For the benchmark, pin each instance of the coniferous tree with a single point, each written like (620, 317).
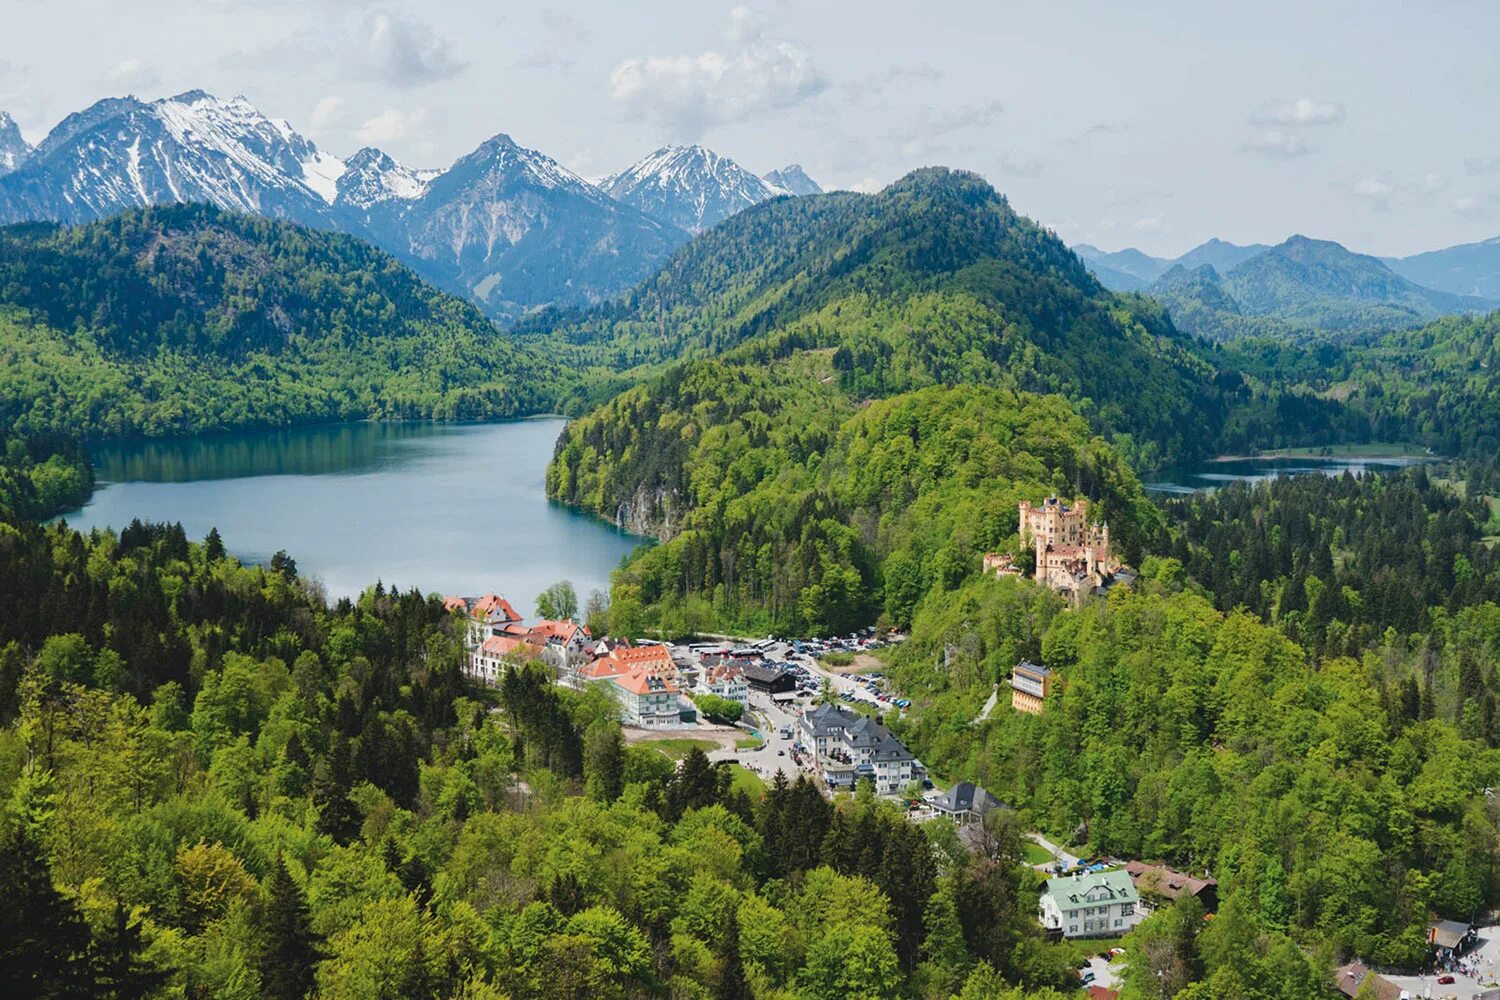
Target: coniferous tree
(732, 982)
(120, 972)
(44, 943)
(337, 815)
(289, 948)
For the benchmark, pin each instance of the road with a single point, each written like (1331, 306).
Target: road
(776, 755)
(1067, 859)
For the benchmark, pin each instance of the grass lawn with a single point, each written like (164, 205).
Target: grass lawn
(747, 781)
(748, 743)
(1035, 853)
(678, 748)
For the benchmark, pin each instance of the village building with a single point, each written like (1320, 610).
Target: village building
(488, 661)
(488, 615)
(849, 747)
(564, 643)
(1450, 938)
(1350, 980)
(1090, 904)
(770, 680)
(643, 680)
(1170, 885)
(724, 681)
(1029, 686)
(966, 803)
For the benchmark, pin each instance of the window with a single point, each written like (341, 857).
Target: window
(1127, 909)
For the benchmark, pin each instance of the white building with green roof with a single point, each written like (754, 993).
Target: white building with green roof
(1090, 904)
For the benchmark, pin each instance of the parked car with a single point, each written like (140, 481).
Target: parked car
(1445, 980)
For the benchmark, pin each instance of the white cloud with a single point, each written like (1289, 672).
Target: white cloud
(1301, 111)
(1154, 225)
(133, 74)
(690, 94)
(390, 125)
(1483, 164)
(1374, 190)
(867, 186)
(405, 52)
(1276, 144)
(918, 135)
(1470, 207)
(1020, 166)
(328, 111)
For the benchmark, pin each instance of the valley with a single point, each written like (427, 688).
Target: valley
(1122, 627)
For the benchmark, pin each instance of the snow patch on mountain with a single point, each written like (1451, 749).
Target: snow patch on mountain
(14, 148)
(688, 186)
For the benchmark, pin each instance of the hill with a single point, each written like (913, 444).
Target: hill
(1303, 286)
(919, 326)
(1466, 269)
(935, 280)
(183, 319)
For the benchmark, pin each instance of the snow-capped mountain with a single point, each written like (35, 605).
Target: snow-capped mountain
(505, 225)
(793, 180)
(688, 186)
(124, 153)
(514, 229)
(13, 147)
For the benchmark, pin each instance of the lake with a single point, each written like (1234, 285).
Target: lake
(454, 508)
(1212, 474)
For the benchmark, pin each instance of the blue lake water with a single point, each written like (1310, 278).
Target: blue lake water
(1221, 472)
(455, 508)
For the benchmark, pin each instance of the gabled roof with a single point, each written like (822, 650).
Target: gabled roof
(967, 797)
(645, 682)
(1073, 891)
(1349, 978)
(760, 673)
(1447, 933)
(489, 609)
(1169, 882)
(564, 631)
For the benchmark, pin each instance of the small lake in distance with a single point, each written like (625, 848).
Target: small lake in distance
(1215, 473)
(453, 508)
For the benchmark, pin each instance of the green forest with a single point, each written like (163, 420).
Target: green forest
(216, 785)
(186, 319)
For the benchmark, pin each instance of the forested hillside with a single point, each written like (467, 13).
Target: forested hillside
(215, 785)
(935, 280)
(785, 507)
(184, 319)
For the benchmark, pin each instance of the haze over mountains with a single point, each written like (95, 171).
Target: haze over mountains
(1223, 290)
(506, 226)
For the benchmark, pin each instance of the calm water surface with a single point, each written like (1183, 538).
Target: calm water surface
(440, 507)
(1213, 474)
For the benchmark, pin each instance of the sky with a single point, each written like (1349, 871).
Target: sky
(1147, 124)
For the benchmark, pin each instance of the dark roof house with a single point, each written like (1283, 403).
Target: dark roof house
(966, 802)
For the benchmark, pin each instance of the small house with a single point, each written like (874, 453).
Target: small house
(966, 803)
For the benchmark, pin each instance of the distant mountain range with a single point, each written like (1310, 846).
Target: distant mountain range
(506, 226)
(696, 189)
(1223, 290)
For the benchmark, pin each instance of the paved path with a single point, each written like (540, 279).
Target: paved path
(1067, 859)
(989, 706)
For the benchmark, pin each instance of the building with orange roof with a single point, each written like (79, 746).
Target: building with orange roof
(643, 680)
(565, 643)
(487, 616)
